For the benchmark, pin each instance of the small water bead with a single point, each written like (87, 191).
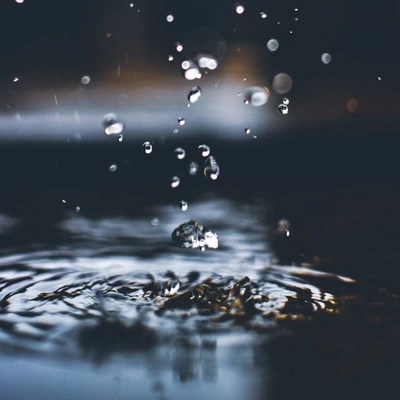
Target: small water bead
(282, 83)
(207, 61)
(108, 35)
(180, 153)
(178, 47)
(175, 130)
(204, 150)
(170, 58)
(77, 209)
(16, 79)
(190, 70)
(285, 101)
(211, 168)
(175, 181)
(85, 80)
(155, 221)
(170, 18)
(326, 58)
(112, 124)
(147, 147)
(263, 15)
(183, 205)
(194, 94)
(120, 138)
(193, 168)
(113, 167)
(239, 9)
(272, 45)
(283, 108)
(247, 131)
(181, 121)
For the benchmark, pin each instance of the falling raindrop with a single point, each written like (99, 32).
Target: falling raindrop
(193, 168)
(239, 9)
(204, 150)
(108, 35)
(170, 18)
(85, 80)
(175, 130)
(211, 168)
(178, 47)
(183, 205)
(16, 79)
(256, 96)
(175, 181)
(272, 45)
(148, 147)
(170, 58)
(181, 121)
(77, 209)
(283, 227)
(112, 124)
(131, 5)
(282, 83)
(263, 15)
(194, 94)
(179, 153)
(285, 101)
(207, 61)
(283, 108)
(190, 70)
(326, 58)
(247, 130)
(120, 138)
(113, 167)
(19, 1)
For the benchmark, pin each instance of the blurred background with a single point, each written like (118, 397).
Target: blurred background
(109, 110)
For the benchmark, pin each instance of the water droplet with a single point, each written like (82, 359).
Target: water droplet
(247, 130)
(326, 58)
(296, 19)
(19, 1)
(178, 47)
(283, 227)
(155, 221)
(193, 168)
(211, 168)
(239, 9)
(170, 58)
(63, 201)
(16, 79)
(108, 35)
(85, 80)
(77, 209)
(190, 70)
(207, 61)
(283, 108)
(352, 105)
(263, 15)
(181, 121)
(285, 101)
(120, 138)
(379, 78)
(175, 181)
(148, 147)
(183, 205)
(204, 150)
(282, 83)
(179, 153)
(112, 124)
(170, 18)
(194, 94)
(272, 45)
(256, 96)
(113, 167)
(175, 130)
(131, 5)
(193, 235)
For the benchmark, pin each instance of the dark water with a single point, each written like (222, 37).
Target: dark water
(94, 311)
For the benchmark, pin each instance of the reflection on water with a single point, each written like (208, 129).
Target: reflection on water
(113, 298)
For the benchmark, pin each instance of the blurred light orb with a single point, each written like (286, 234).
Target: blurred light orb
(257, 96)
(85, 80)
(170, 58)
(326, 58)
(272, 45)
(207, 61)
(352, 105)
(178, 47)
(239, 9)
(19, 1)
(263, 15)
(170, 18)
(282, 83)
